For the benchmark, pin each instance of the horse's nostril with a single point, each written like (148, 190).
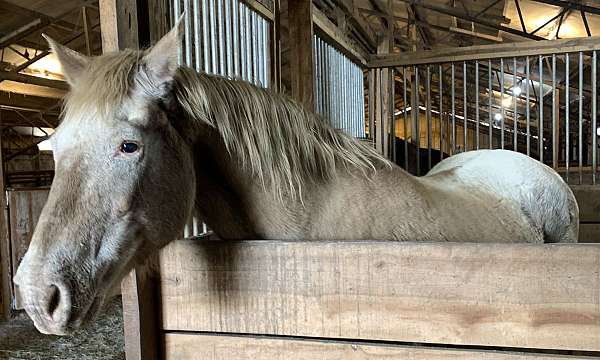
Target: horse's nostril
(54, 299)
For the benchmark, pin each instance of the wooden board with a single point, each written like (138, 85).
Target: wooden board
(528, 296)
(589, 233)
(588, 199)
(182, 346)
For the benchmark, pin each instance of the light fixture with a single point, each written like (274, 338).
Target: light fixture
(517, 90)
(497, 116)
(598, 131)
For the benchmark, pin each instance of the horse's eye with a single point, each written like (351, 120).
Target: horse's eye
(129, 147)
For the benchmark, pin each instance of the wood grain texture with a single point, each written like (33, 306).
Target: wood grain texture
(529, 296)
(589, 233)
(181, 346)
(301, 57)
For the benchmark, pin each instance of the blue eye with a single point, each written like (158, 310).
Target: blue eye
(129, 147)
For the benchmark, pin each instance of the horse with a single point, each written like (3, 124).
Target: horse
(421, 156)
(144, 141)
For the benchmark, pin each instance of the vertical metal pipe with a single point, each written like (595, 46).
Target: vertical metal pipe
(317, 80)
(222, 40)
(326, 88)
(393, 114)
(196, 13)
(255, 52)
(567, 133)
(527, 113)
(361, 103)
(580, 128)
(249, 55)
(594, 131)
(243, 41)
(465, 105)
(477, 104)
(259, 51)
(515, 110)
(405, 118)
(188, 32)
(228, 43)
(429, 127)
(266, 53)
(490, 99)
(441, 101)
(453, 97)
(415, 111)
(502, 114)
(541, 107)
(206, 36)
(177, 11)
(554, 143)
(235, 11)
(213, 37)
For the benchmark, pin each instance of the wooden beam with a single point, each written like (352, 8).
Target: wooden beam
(118, 25)
(11, 118)
(180, 346)
(27, 101)
(34, 80)
(504, 295)
(518, 49)
(337, 38)
(301, 57)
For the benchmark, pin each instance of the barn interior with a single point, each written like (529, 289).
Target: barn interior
(437, 56)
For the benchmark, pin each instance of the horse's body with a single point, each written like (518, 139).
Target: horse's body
(142, 139)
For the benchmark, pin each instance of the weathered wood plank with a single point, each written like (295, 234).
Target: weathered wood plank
(530, 296)
(183, 346)
(589, 233)
(25, 207)
(301, 57)
(524, 48)
(588, 199)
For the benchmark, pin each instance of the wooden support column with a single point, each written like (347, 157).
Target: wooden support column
(301, 51)
(385, 103)
(119, 24)
(5, 253)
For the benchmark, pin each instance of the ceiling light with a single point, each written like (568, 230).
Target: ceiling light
(517, 90)
(497, 116)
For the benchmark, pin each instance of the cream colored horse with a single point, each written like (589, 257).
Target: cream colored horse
(143, 142)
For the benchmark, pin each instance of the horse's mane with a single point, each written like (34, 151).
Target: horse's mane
(279, 141)
(273, 137)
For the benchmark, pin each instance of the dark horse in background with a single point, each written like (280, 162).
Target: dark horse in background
(420, 157)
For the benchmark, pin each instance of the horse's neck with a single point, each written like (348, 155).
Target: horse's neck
(232, 202)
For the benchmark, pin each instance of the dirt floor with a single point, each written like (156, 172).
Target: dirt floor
(102, 340)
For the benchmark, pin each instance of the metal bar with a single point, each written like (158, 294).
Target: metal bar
(404, 99)
(580, 128)
(452, 96)
(317, 80)
(554, 115)
(392, 112)
(249, 55)
(428, 114)
(267, 54)
(259, 55)
(236, 38)
(213, 38)
(594, 116)
(465, 103)
(177, 12)
(415, 111)
(490, 99)
(228, 38)
(527, 113)
(255, 48)
(541, 107)
(477, 105)
(197, 47)
(188, 32)
(206, 36)
(222, 40)
(585, 23)
(567, 135)
(502, 114)
(515, 113)
(441, 100)
(243, 43)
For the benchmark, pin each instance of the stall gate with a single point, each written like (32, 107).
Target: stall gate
(339, 89)
(538, 98)
(229, 38)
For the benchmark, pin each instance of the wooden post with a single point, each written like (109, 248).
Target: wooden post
(384, 93)
(5, 253)
(118, 21)
(301, 51)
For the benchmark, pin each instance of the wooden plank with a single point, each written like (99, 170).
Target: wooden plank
(529, 296)
(519, 49)
(588, 199)
(589, 233)
(25, 207)
(182, 346)
(260, 8)
(5, 269)
(33, 80)
(118, 24)
(301, 57)
(337, 38)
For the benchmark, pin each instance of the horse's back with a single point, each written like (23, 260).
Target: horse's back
(540, 192)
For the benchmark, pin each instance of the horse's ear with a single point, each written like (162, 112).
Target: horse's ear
(161, 59)
(72, 62)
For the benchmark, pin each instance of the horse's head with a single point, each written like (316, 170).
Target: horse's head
(124, 184)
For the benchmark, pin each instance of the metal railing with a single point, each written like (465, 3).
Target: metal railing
(339, 88)
(538, 98)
